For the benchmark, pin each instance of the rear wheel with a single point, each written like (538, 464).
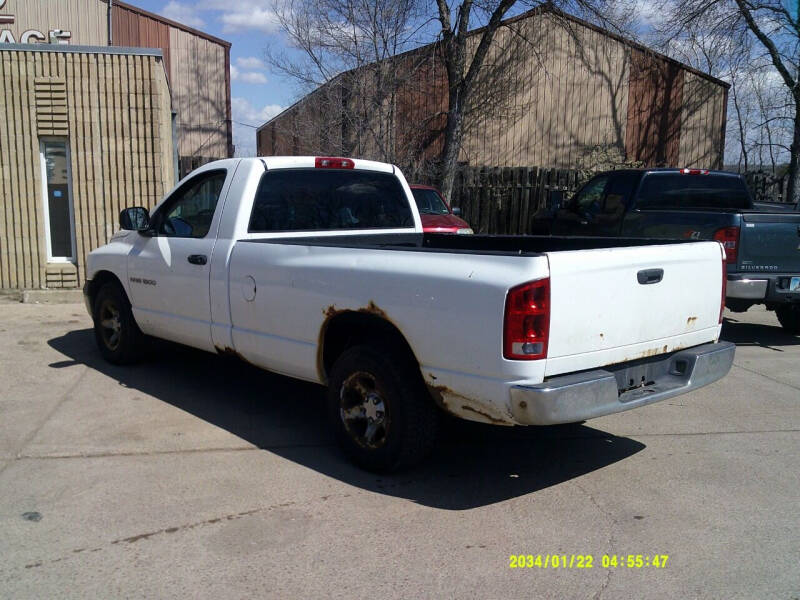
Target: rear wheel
(789, 318)
(115, 330)
(382, 414)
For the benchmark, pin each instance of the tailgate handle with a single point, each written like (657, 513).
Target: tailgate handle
(647, 276)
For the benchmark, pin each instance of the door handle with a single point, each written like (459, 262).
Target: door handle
(647, 276)
(197, 259)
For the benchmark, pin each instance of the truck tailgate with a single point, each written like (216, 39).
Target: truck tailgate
(769, 242)
(620, 304)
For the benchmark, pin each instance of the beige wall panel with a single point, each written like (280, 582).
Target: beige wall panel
(119, 135)
(701, 123)
(568, 96)
(84, 19)
(199, 94)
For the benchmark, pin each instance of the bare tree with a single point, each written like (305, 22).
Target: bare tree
(462, 72)
(770, 29)
(361, 57)
(350, 45)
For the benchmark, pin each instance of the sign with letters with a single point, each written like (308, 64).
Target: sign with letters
(30, 36)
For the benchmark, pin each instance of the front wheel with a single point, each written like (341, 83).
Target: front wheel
(115, 330)
(382, 414)
(789, 318)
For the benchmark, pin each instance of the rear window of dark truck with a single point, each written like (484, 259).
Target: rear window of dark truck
(677, 190)
(329, 199)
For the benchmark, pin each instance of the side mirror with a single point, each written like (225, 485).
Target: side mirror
(134, 219)
(456, 211)
(555, 200)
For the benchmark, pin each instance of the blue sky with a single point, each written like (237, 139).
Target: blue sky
(250, 26)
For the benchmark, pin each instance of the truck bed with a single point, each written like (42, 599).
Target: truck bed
(501, 245)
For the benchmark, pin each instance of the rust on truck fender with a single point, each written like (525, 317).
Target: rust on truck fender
(331, 311)
(463, 407)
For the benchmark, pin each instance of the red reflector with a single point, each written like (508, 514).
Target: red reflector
(729, 238)
(333, 162)
(526, 326)
(694, 171)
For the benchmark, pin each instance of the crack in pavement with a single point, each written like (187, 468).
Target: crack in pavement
(611, 538)
(789, 385)
(164, 452)
(691, 433)
(136, 453)
(185, 527)
(64, 397)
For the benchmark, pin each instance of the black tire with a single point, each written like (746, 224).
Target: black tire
(405, 421)
(115, 330)
(789, 317)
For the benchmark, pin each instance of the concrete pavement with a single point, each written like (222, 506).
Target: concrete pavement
(194, 475)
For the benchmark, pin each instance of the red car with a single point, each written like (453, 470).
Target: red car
(436, 215)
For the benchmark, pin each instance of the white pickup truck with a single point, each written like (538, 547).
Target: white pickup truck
(317, 268)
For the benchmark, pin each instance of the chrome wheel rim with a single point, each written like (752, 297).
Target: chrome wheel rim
(110, 325)
(362, 409)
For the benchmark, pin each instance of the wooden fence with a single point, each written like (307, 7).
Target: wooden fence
(503, 200)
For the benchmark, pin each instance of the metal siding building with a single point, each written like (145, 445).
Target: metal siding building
(84, 131)
(562, 89)
(197, 64)
(104, 116)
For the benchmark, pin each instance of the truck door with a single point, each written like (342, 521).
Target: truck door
(169, 269)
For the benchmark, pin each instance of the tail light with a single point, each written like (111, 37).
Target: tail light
(526, 325)
(694, 171)
(724, 286)
(729, 238)
(333, 162)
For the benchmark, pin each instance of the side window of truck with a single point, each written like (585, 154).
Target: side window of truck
(619, 192)
(190, 210)
(590, 198)
(329, 199)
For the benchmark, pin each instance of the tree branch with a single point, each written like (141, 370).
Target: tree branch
(768, 44)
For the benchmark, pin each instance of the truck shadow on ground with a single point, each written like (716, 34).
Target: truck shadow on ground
(474, 465)
(756, 334)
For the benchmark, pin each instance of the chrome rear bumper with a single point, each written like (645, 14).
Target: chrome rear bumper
(750, 289)
(590, 394)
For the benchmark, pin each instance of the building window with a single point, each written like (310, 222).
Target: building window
(59, 220)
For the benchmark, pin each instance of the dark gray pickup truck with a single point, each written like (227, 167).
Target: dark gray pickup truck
(763, 246)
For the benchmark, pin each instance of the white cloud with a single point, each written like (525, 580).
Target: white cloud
(642, 15)
(183, 13)
(250, 63)
(246, 76)
(246, 118)
(235, 15)
(240, 18)
(253, 77)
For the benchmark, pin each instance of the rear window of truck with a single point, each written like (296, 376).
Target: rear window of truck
(676, 190)
(329, 199)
